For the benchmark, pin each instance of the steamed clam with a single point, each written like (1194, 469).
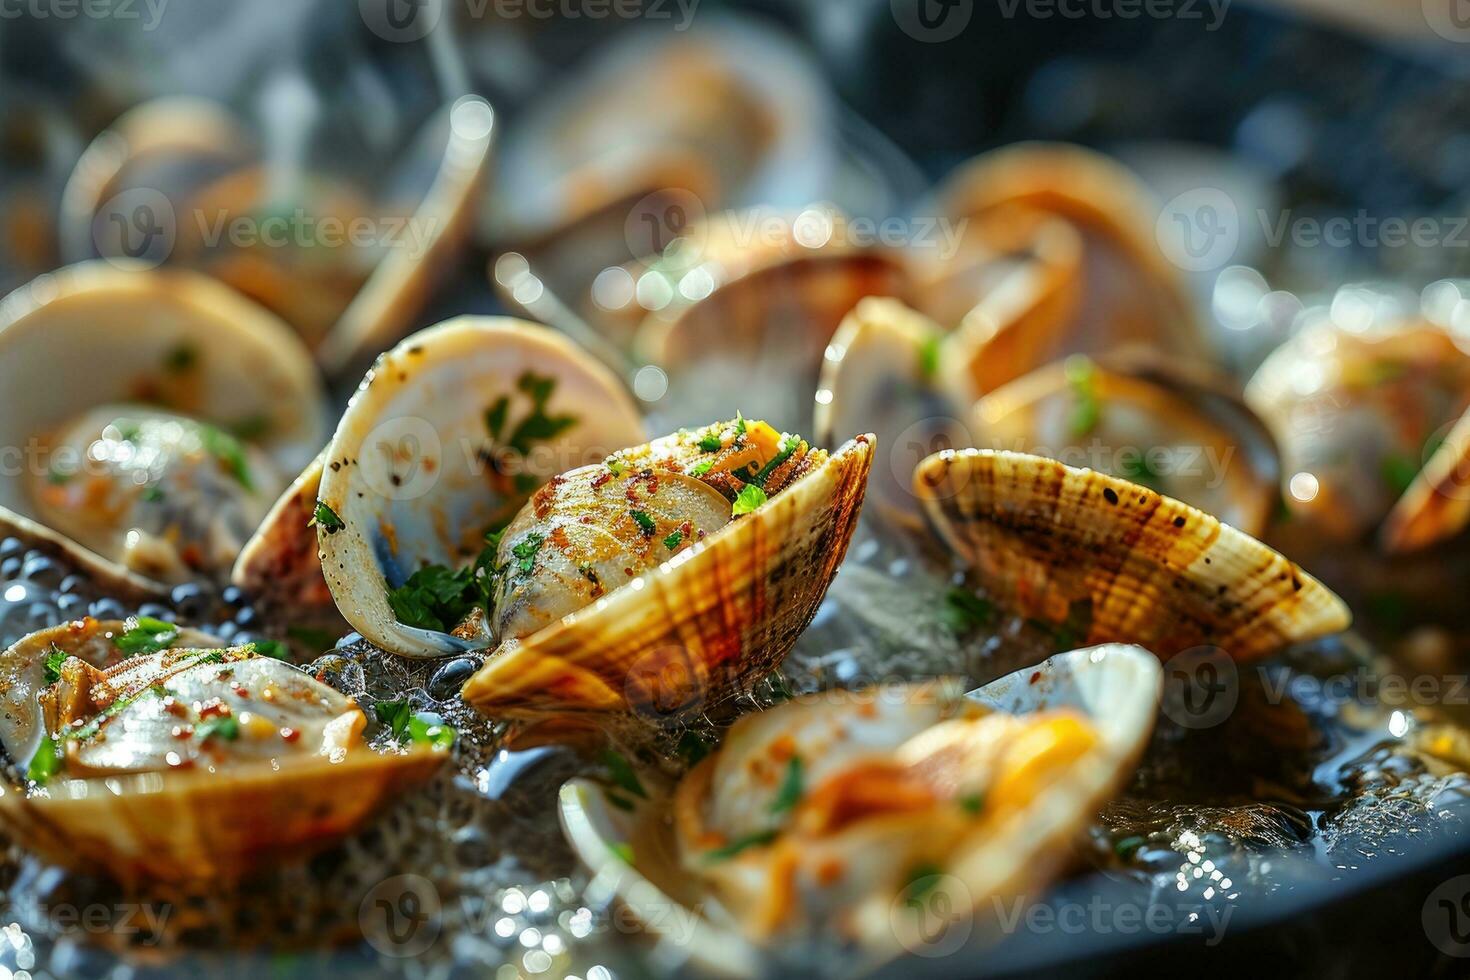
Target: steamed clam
(446, 438)
(1129, 291)
(816, 820)
(346, 262)
(1358, 416)
(1183, 433)
(1057, 544)
(155, 753)
(197, 405)
(662, 578)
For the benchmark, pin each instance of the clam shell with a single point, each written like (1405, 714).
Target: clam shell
(406, 473)
(116, 324)
(183, 826)
(688, 633)
(1131, 292)
(760, 337)
(279, 566)
(1042, 536)
(1216, 455)
(1116, 687)
(883, 371)
(1436, 506)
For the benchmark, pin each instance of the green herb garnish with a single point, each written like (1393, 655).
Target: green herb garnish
(645, 523)
(692, 748)
(963, 611)
(47, 762)
(710, 442)
(700, 469)
(226, 729)
(751, 497)
(434, 598)
(396, 715)
(623, 851)
(622, 774)
(1128, 846)
(228, 452)
(495, 416)
(1087, 411)
(923, 879)
(929, 356)
(325, 518)
(148, 636)
(55, 657)
(429, 728)
(740, 844)
(674, 539)
(972, 802)
(1398, 472)
(538, 426)
(153, 495)
(791, 787)
(525, 551)
(274, 649)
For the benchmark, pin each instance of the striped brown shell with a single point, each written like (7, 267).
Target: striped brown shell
(1042, 537)
(688, 633)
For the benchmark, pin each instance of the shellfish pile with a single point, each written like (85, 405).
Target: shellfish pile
(850, 628)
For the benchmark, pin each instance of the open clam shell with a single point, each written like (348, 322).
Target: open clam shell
(1436, 505)
(131, 814)
(156, 344)
(1043, 537)
(1183, 433)
(445, 439)
(1131, 292)
(702, 913)
(762, 335)
(686, 634)
(1358, 416)
(183, 180)
(279, 567)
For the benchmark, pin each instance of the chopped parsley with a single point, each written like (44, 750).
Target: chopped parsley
(645, 523)
(495, 416)
(274, 649)
(616, 466)
(149, 635)
(923, 879)
(710, 442)
(395, 714)
(929, 356)
(740, 844)
(429, 728)
(751, 497)
(325, 518)
(1128, 846)
(739, 423)
(226, 729)
(1398, 472)
(700, 469)
(963, 611)
(789, 444)
(228, 452)
(620, 770)
(153, 495)
(972, 802)
(46, 763)
(525, 552)
(1087, 410)
(435, 598)
(673, 541)
(791, 787)
(55, 657)
(181, 359)
(538, 426)
(623, 851)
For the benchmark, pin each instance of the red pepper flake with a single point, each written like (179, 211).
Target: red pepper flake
(182, 731)
(241, 691)
(1035, 678)
(214, 708)
(289, 735)
(601, 479)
